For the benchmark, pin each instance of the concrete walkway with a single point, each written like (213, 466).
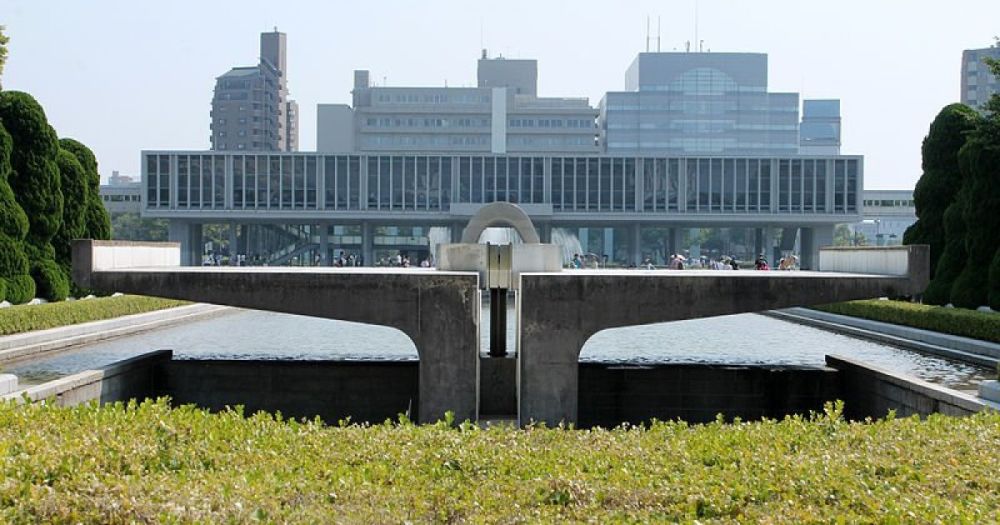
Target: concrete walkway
(973, 351)
(27, 345)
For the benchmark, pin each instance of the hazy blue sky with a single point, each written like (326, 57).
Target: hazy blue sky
(124, 76)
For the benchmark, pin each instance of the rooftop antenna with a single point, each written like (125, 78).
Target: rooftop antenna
(658, 34)
(695, 20)
(647, 33)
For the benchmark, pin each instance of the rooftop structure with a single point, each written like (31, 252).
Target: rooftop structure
(699, 104)
(819, 133)
(503, 114)
(978, 83)
(250, 107)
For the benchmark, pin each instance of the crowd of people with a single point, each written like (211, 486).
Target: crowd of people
(680, 262)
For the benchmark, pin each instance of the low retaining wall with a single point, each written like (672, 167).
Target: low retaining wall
(609, 394)
(128, 379)
(369, 391)
(612, 394)
(870, 391)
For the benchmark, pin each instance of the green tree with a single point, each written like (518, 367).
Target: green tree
(16, 285)
(35, 181)
(953, 259)
(98, 223)
(3, 48)
(73, 182)
(941, 178)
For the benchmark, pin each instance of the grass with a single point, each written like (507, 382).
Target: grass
(25, 318)
(955, 321)
(153, 463)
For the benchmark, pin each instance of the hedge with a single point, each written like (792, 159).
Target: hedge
(151, 463)
(17, 319)
(955, 321)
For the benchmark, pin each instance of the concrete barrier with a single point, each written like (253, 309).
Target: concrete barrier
(91, 255)
(871, 391)
(128, 379)
(878, 260)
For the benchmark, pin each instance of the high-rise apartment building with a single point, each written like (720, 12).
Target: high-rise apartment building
(978, 82)
(502, 114)
(699, 103)
(250, 108)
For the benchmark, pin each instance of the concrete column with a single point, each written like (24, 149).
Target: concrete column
(324, 244)
(197, 244)
(233, 242)
(758, 241)
(180, 231)
(545, 232)
(456, 232)
(367, 244)
(671, 243)
(768, 248)
(812, 240)
(609, 243)
(583, 234)
(635, 243)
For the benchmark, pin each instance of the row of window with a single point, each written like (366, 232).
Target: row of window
(551, 123)
(433, 98)
(576, 184)
(120, 198)
(433, 122)
(889, 203)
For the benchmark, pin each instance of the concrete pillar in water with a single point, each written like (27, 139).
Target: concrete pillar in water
(367, 244)
(635, 243)
(324, 244)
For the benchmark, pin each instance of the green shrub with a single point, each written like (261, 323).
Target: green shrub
(941, 179)
(20, 289)
(993, 298)
(19, 319)
(98, 222)
(953, 259)
(73, 184)
(151, 463)
(13, 229)
(51, 281)
(955, 321)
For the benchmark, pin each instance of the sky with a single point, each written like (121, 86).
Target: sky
(126, 76)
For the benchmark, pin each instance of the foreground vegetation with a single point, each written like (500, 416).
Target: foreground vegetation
(955, 321)
(25, 318)
(153, 463)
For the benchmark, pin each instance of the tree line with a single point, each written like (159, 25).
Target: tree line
(958, 204)
(48, 197)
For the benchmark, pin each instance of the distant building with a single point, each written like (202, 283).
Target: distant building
(819, 133)
(978, 83)
(699, 104)
(122, 194)
(250, 108)
(503, 114)
(886, 214)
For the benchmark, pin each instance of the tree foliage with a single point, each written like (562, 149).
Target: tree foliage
(73, 181)
(34, 178)
(941, 179)
(3, 48)
(98, 223)
(16, 283)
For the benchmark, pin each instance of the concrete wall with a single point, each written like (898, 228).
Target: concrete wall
(128, 379)
(870, 391)
(369, 391)
(884, 260)
(612, 394)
